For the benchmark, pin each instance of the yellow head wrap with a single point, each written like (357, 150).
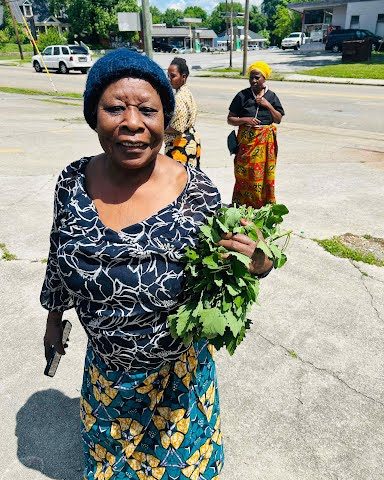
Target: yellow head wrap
(262, 67)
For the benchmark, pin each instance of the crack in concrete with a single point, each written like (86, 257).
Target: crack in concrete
(323, 370)
(362, 276)
(365, 274)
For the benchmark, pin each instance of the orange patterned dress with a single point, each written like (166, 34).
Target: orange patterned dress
(184, 146)
(255, 165)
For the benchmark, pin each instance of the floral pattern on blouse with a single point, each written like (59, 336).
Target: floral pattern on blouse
(123, 283)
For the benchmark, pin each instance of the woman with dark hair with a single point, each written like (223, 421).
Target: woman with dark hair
(181, 140)
(122, 221)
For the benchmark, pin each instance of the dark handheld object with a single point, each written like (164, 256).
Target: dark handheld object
(232, 143)
(54, 356)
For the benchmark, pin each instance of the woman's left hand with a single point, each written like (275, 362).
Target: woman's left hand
(241, 243)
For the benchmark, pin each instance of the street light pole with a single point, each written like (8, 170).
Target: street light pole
(245, 42)
(146, 28)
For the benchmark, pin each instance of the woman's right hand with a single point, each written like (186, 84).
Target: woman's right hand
(53, 334)
(251, 121)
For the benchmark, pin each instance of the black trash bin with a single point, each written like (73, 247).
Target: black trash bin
(357, 50)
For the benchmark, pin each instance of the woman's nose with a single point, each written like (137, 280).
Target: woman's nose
(132, 119)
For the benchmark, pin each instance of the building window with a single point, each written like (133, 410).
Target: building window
(27, 8)
(355, 21)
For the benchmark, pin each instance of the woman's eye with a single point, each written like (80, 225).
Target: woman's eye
(114, 109)
(148, 110)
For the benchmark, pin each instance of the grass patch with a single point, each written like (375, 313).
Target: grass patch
(373, 69)
(6, 254)
(12, 48)
(27, 91)
(335, 247)
(61, 102)
(292, 353)
(71, 120)
(227, 72)
(14, 59)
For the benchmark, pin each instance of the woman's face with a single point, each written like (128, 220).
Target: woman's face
(175, 77)
(130, 122)
(256, 80)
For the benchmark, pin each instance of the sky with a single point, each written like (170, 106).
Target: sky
(208, 5)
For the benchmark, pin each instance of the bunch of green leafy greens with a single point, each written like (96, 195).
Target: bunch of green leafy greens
(220, 289)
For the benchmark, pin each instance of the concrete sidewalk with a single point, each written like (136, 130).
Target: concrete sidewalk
(302, 398)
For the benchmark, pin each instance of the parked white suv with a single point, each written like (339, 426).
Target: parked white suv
(63, 58)
(294, 40)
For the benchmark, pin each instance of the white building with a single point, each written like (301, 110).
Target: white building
(326, 14)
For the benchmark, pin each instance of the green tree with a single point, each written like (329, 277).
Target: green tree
(196, 12)
(217, 19)
(51, 37)
(8, 30)
(56, 7)
(265, 34)
(96, 20)
(286, 21)
(157, 16)
(171, 17)
(257, 21)
(269, 8)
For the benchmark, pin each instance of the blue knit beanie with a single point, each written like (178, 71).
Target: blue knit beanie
(125, 63)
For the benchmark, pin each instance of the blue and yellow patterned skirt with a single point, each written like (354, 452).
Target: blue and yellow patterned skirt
(158, 425)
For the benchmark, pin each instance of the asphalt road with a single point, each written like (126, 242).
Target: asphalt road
(342, 106)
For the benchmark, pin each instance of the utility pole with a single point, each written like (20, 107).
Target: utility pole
(146, 28)
(6, 4)
(226, 22)
(231, 36)
(245, 42)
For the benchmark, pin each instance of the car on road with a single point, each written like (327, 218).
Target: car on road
(63, 58)
(164, 47)
(184, 50)
(294, 40)
(336, 38)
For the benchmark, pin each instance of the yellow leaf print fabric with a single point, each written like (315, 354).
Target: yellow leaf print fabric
(184, 146)
(158, 425)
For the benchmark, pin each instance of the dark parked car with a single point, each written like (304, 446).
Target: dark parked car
(164, 47)
(337, 37)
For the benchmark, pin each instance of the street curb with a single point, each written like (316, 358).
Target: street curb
(334, 80)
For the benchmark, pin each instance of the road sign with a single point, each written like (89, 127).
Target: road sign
(129, 21)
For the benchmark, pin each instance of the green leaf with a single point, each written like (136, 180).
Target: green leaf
(210, 262)
(213, 322)
(233, 323)
(244, 259)
(191, 254)
(264, 247)
(232, 290)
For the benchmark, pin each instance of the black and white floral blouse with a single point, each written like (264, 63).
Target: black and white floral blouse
(123, 283)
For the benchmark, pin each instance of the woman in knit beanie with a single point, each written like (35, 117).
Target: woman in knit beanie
(122, 221)
(255, 111)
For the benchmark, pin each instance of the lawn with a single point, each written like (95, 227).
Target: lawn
(371, 69)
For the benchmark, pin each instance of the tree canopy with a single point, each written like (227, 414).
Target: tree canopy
(95, 21)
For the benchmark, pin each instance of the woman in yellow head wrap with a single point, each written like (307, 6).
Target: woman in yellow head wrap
(255, 111)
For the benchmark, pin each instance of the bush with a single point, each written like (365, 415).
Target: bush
(51, 37)
(4, 38)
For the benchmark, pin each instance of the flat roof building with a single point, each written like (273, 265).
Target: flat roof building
(326, 15)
